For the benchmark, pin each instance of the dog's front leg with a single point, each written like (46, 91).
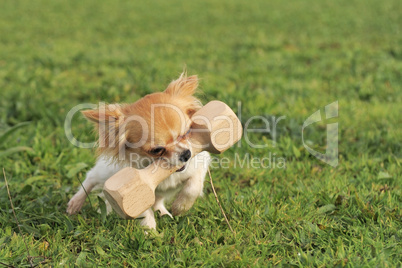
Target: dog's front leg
(148, 219)
(77, 201)
(187, 196)
(96, 176)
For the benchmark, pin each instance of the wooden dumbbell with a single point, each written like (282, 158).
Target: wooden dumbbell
(131, 191)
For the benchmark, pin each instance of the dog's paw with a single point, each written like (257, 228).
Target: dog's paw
(75, 204)
(162, 213)
(181, 206)
(165, 212)
(162, 210)
(148, 222)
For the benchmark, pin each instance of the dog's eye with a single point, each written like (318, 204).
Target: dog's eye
(157, 151)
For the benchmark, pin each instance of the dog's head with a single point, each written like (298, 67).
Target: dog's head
(155, 126)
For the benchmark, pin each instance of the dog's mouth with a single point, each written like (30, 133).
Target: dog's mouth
(181, 169)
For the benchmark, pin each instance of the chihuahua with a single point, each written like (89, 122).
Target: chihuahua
(156, 126)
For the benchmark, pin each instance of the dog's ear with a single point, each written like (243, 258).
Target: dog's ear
(105, 113)
(192, 109)
(183, 86)
(108, 119)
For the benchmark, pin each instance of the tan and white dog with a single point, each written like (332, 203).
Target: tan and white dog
(137, 134)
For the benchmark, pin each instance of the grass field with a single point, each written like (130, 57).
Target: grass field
(278, 59)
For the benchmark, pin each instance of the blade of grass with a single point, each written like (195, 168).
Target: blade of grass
(11, 130)
(16, 219)
(15, 150)
(217, 200)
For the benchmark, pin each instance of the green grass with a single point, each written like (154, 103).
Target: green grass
(278, 59)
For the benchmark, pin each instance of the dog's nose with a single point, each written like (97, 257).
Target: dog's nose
(185, 156)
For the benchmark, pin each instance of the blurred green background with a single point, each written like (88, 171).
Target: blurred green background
(277, 59)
